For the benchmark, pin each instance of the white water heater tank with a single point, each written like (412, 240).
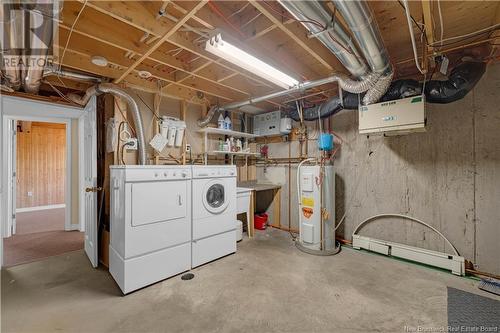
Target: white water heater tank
(316, 191)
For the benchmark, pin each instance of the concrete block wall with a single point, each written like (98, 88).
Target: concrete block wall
(448, 176)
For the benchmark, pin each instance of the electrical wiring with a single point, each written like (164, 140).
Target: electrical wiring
(124, 117)
(216, 10)
(282, 14)
(71, 32)
(478, 32)
(154, 113)
(441, 27)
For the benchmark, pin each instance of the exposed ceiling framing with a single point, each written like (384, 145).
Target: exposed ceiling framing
(133, 38)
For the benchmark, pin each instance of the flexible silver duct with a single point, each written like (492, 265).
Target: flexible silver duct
(210, 114)
(104, 88)
(10, 47)
(41, 16)
(315, 18)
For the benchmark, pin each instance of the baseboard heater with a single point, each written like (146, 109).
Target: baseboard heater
(432, 258)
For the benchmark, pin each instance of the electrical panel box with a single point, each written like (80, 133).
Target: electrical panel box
(267, 123)
(397, 117)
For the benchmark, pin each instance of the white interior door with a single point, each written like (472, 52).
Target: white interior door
(11, 171)
(88, 161)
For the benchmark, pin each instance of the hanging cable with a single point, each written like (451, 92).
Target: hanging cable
(412, 37)
(71, 32)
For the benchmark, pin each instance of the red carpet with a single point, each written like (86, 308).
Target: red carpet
(40, 234)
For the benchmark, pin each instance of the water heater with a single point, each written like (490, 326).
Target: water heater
(317, 209)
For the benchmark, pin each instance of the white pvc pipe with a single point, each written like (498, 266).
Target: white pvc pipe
(412, 36)
(408, 218)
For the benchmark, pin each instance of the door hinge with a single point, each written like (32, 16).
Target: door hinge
(13, 216)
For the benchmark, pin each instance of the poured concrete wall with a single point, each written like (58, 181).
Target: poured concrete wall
(448, 176)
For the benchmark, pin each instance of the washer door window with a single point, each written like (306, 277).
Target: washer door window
(214, 197)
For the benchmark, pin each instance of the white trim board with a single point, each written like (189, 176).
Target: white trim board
(35, 208)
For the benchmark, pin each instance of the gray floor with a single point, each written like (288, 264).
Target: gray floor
(268, 286)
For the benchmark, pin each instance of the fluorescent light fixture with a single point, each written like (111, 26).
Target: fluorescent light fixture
(240, 58)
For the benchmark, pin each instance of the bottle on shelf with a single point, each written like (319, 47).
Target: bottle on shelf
(221, 124)
(227, 123)
(238, 145)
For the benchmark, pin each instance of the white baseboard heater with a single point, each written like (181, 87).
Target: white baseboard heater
(432, 258)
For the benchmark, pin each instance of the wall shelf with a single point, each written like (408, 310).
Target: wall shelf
(236, 134)
(236, 153)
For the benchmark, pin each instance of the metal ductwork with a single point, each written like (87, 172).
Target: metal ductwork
(109, 88)
(359, 17)
(360, 20)
(41, 16)
(26, 68)
(318, 21)
(49, 71)
(10, 55)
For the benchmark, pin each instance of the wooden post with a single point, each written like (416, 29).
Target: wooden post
(156, 123)
(183, 117)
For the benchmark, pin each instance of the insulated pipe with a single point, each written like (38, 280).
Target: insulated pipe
(10, 55)
(104, 88)
(312, 15)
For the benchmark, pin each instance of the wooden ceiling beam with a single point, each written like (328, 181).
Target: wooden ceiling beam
(120, 12)
(163, 39)
(86, 45)
(81, 61)
(303, 42)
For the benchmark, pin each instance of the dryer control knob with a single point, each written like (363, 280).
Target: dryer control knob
(156, 175)
(184, 174)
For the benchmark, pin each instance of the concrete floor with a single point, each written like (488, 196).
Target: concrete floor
(268, 286)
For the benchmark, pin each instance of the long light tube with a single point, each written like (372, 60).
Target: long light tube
(240, 58)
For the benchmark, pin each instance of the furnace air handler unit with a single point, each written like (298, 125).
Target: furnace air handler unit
(397, 117)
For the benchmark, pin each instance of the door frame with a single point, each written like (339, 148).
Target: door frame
(68, 174)
(12, 107)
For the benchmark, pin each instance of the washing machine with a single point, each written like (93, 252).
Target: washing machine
(214, 212)
(150, 224)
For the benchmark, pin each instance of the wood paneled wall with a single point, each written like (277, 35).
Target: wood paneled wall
(41, 164)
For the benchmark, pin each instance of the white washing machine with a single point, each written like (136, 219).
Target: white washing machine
(214, 212)
(150, 234)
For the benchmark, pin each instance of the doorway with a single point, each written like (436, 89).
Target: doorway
(41, 196)
(80, 199)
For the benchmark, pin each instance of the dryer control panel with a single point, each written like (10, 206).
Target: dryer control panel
(155, 174)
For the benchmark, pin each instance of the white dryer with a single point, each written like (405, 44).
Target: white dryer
(214, 212)
(150, 234)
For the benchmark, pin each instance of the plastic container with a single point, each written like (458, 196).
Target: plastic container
(165, 123)
(227, 123)
(181, 127)
(172, 131)
(325, 142)
(220, 122)
(260, 221)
